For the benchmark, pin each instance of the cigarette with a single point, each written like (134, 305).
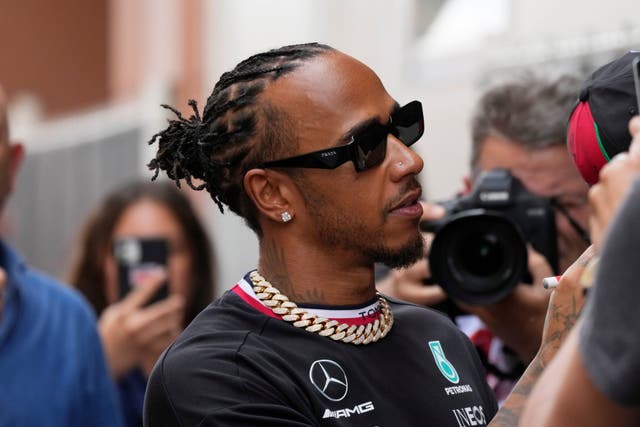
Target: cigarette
(551, 282)
(586, 278)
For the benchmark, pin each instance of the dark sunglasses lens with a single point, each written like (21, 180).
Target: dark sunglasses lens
(408, 123)
(370, 147)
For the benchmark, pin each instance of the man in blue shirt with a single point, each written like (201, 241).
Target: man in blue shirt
(52, 368)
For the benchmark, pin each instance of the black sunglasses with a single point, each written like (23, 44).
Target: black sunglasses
(367, 148)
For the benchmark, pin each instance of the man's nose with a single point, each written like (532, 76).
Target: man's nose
(403, 160)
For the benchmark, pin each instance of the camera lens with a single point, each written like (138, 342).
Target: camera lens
(481, 254)
(478, 256)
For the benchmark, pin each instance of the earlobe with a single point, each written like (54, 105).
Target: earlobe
(270, 193)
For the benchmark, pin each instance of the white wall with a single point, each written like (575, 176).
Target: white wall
(544, 19)
(374, 31)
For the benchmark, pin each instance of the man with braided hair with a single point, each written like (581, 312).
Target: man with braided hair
(307, 146)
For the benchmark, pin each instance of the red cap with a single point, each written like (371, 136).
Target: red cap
(584, 145)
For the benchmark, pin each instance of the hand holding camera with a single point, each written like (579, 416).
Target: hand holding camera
(491, 230)
(479, 252)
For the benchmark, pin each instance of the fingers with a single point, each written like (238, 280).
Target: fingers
(424, 295)
(571, 277)
(565, 306)
(415, 273)
(634, 130)
(143, 291)
(161, 315)
(568, 296)
(159, 328)
(634, 126)
(409, 284)
(129, 332)
(154, 328)
(538, 265)
(432, 211)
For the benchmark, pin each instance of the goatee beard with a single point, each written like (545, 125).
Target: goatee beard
(402, 257)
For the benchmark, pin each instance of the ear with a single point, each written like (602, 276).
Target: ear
(16, 154)
(271, 192)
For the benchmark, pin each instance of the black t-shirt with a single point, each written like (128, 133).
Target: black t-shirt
(237, 366)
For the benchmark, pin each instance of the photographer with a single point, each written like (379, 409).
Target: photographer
(520, 127)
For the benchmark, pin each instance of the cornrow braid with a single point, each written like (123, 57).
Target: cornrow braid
(235, 132)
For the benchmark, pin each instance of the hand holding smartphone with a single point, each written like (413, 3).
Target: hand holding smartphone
(136, 260)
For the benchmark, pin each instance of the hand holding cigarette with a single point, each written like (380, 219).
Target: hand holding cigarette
(565, 305)
(586, 278)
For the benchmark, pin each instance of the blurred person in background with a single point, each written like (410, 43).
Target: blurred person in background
(595, 378)
(52, 366)
(519, 126)
(135, 329)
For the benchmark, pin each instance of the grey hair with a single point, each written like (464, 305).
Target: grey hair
(531, 112)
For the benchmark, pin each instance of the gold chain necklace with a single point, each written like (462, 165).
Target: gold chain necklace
(301, 318)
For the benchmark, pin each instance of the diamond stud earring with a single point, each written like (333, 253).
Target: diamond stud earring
(286, 216)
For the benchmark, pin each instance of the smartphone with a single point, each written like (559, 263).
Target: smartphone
(138, 257)
(636, 79)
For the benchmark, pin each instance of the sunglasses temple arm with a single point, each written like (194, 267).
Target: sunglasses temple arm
(584, 234)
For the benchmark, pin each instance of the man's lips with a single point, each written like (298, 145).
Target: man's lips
(409, 202)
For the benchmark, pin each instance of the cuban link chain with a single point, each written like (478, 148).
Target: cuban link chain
(301, 318)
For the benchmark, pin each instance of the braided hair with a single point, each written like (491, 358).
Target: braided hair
(217, 148)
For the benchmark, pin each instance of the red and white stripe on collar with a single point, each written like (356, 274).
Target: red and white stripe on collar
(350, 316)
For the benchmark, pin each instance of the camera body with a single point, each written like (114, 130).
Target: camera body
(479, 254)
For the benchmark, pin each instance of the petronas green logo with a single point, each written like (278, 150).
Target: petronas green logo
(446, 368)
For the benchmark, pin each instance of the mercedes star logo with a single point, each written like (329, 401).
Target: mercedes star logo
(329, 378)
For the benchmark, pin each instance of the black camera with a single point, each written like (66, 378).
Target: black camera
(479, 254)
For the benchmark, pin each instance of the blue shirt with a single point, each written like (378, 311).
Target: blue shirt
(131, 389)
(52, 367)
